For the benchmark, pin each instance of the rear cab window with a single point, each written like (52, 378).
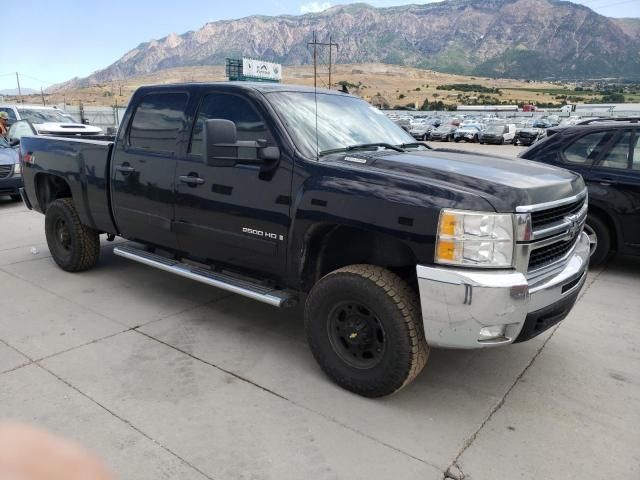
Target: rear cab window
(158, 122)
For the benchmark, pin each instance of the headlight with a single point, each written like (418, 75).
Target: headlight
(17, 169)
(475, 239)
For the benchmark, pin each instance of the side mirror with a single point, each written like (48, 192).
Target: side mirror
(220, 142)
(269, 154)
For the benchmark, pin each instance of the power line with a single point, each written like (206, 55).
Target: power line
(37, 79)
(315, 43)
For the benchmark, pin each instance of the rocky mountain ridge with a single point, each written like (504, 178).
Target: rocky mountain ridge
(500, 38)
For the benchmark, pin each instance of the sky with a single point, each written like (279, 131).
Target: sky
(56, 41)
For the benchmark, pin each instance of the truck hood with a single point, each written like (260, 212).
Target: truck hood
(67, 128)
(8, 156)
(504, 182)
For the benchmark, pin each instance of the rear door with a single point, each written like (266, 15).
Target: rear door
(239, 214)
(616, 181)
(143, 168)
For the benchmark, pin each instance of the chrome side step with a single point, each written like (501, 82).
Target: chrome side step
(262, 293)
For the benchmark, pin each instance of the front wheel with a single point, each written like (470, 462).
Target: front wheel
(73, 246)
(364, 329)
(599, 239)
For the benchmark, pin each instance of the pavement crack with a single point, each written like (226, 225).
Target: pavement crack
(453, 466)
(125, 421)
(286, 399)
(454, 472)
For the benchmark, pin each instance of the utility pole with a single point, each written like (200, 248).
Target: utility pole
(42, 95)
(317, 44)
(19, 89)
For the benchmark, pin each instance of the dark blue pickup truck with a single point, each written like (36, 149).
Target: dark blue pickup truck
(279, 192)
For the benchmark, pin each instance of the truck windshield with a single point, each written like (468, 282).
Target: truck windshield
(342, 121)
(35, 115)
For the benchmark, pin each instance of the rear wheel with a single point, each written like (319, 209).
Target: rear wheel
(73, 246)
(364, 329)
(599, 239)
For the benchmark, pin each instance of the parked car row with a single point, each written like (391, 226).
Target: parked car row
(471, 129)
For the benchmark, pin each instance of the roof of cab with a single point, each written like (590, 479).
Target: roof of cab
(264, 87)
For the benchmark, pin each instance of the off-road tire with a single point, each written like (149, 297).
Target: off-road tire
(602, 250)
(396, 308)
(80, 248)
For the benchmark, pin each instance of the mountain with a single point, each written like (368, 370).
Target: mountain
(14, 91)
(504, 38)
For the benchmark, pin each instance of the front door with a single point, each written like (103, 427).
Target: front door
(143, 170)
(236, 215)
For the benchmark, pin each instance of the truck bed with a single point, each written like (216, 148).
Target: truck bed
(83, 164)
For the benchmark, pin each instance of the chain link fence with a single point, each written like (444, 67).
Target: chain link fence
(107, 118)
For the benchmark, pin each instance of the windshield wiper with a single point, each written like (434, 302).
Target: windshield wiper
(363, 146)
(415, 144)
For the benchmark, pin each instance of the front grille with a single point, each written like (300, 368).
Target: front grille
(553, 215)
(549, 254)
(5, 170)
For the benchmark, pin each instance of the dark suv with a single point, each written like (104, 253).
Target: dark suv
(606, 153)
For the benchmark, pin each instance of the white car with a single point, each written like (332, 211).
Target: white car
(47, 120)
(498, 133)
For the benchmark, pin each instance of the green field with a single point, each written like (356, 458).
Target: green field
(552, 91)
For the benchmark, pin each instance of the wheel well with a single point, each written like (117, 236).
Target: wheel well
(49, 188)
(333, 247)
(608, 220)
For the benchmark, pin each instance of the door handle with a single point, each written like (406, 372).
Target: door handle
(125, 168)
(605, 184)
(191, 180)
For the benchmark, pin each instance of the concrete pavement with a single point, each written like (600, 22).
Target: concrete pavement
(167, 378)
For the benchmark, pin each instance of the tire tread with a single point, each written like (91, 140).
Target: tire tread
(406, 301)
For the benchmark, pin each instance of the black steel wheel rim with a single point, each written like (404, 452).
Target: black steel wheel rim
(62, 233)
(356, 334)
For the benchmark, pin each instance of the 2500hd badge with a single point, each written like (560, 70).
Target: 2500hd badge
(260, 233)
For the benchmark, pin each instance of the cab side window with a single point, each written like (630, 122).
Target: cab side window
(635, 165)
(587, 148)
(250, 126)
(158, 121)
(618, 156)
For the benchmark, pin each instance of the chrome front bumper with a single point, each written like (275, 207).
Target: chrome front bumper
(457, 303)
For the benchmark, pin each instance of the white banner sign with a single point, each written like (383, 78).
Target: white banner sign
(260, 69)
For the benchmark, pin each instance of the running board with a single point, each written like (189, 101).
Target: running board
(262, 293)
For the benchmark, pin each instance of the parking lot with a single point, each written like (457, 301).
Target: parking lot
(167, 378)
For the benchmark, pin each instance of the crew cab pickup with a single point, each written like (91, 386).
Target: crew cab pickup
(283, 193)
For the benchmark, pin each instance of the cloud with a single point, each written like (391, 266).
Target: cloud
(314, 7)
